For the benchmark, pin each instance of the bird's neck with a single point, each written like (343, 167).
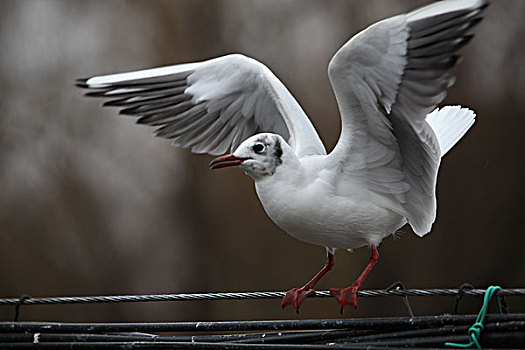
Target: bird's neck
(290, 172)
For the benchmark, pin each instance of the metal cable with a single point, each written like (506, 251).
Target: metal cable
(245, 295)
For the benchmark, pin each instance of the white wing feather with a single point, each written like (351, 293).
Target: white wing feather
(450, 124)
(386, 80)
(212, 105)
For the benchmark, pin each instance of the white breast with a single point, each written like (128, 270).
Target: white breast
(307, 208)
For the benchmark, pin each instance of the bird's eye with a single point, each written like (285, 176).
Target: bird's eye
(258, 147)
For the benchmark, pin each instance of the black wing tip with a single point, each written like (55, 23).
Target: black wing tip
(143, 121)
(463, 41)
(479, 10)
(482, 5)
(82, 83)
(456, 60)
(112, 103)
(150, 120)
(466, 39)
(127, 113)
(95, 94)
(475, 21)
(161, 133)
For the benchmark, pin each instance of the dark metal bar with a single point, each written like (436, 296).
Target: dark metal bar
(304, 337)
(184, 345)
(500, 340)
(502, 331)
(311, 337)
(409, 334)
(382, 324)
(66, 337)
(60, 338)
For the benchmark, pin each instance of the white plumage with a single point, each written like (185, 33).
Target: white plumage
(449, 124)
(388, 80)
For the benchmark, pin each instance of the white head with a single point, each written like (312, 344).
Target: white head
(259, 156)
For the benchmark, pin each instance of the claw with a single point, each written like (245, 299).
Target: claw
(296, 297)
(346, 296)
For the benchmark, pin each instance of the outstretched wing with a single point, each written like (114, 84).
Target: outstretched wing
(387, 79)
(209, 106)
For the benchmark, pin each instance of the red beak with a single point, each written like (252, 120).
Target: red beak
(226, 161)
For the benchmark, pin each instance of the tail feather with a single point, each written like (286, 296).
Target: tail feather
(449, 124)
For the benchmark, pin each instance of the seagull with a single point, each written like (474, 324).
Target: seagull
(381, 175)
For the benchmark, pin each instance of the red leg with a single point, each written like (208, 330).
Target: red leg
(296, 296)
(349, 295)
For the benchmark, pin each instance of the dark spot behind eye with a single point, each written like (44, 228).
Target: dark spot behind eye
(278, 149)
(258, 147)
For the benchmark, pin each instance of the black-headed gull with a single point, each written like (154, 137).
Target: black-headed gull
(382, 173)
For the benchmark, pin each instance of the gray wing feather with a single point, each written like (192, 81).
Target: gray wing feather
(386, 80)
(210, 106)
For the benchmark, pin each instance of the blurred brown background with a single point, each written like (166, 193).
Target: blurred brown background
(93, 205)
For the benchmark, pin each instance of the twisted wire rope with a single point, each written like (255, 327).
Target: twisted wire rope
(246, 295)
